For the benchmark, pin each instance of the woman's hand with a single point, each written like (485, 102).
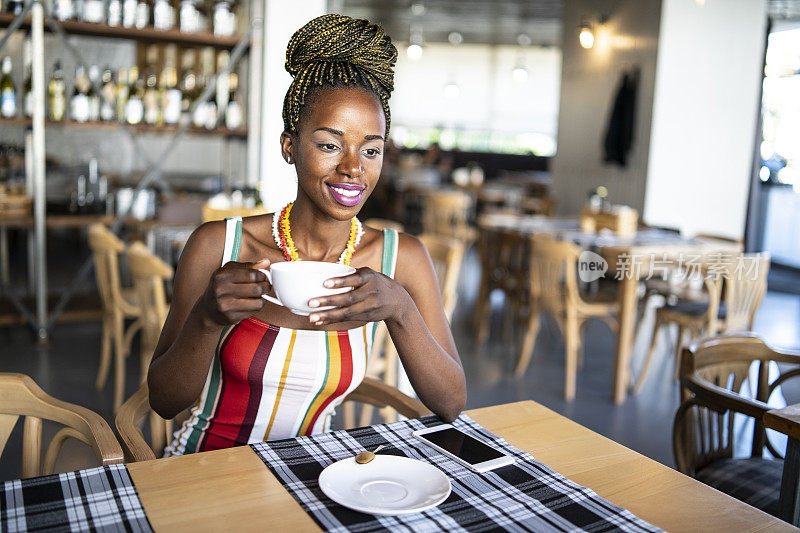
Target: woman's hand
(234, 293)
(374, 297)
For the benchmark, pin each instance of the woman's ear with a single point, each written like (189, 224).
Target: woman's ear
(286, 147)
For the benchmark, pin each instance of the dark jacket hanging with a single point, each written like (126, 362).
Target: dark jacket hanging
(619, 132)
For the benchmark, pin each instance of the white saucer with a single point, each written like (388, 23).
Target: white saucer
(387, 485)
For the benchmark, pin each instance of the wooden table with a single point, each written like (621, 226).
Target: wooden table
(614, 249)
(233, 490)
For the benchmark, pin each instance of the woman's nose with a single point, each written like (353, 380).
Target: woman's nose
(350, 165)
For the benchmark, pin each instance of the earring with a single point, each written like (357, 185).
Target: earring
(289, 159)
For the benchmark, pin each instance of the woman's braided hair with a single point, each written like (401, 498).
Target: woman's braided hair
(337, 50)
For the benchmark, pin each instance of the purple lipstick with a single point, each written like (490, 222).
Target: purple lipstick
(347, 194)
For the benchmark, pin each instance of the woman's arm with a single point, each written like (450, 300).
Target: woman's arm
(412, 308)
(206, 298)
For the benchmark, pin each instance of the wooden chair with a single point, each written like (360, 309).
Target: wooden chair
(447, 255)
(504, 266)
(131, 416)
(384, 223)
(118, 304)
(554, 289)
(149, 273)
(744, 282)
(129, 421)
(447, 213)
(21, 396)
(713, 372)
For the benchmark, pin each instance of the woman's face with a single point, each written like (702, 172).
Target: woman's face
(338, 150)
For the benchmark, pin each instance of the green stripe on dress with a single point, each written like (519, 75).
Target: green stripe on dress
(388, 251)
(237, 241)
(324, 382)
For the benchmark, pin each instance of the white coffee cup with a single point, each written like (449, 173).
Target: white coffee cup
(297, 282)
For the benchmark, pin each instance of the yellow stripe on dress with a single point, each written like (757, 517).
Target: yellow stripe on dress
(332, 381)
(282, 383)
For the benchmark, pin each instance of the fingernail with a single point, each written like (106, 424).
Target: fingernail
(313, 303)
(314, 318)
(329, 284)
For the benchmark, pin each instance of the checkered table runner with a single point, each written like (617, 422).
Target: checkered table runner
(526, 496)
(97, 499)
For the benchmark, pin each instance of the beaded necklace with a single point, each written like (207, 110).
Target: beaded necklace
(282, 233)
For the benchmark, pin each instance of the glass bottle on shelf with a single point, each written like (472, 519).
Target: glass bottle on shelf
(134, 108)
(163, 15)
(94, 11)
(12, 6)
(188, 81)
(129, 13)
(114, 13)
(57, 94)
(200, 113)
(233, 112)
(224, 19)
(63, 9)
(122, 92)
(8, 94)
(189, 15)
(208, 116)
(79, 102)
(171, 101)
(78, 9)
(92, 94)
(108, 95)
(223, 85)
(142, 14)
(151, 100)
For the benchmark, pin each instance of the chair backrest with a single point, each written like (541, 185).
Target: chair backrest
(553, 266)
(374, 392)
(130, 420)
(713, 372)
(21, 396)
(149, 273)
(106, 248)
(446, 213)
(447, 255)
(745, 285)
(383, 223)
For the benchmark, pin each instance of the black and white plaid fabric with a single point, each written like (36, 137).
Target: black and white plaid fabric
(526, 496)
(754, 480)
(97, 499)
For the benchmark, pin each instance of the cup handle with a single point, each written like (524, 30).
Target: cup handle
(267, 296)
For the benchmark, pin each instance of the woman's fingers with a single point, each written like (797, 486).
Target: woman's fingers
(359, 311)
(358, 278)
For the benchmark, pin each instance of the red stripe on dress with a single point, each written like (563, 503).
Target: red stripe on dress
(345, 377)
(255, 377)
(236, 358)
(220, 391)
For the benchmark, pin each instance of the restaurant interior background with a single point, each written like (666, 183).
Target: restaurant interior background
(504, 99)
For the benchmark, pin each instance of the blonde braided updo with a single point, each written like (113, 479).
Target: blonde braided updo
(334, 50)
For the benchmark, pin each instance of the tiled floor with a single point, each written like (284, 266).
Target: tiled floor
(66, 369)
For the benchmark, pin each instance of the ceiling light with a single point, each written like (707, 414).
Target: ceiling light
(700, 3)
(414, 52)
(455, 38)
(586, 36)
(519, 74)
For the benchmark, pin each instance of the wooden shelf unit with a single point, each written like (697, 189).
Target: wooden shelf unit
(240, 133)
(145, 35)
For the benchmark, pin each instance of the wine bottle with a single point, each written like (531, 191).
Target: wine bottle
(172, 96)
(108, 95)
(129, 13)
(57, 94)
(134, 108)
(92, 94)
(233, 113)
(8, 94)
(163, 15)
(151, 101)
(142, 14)
(114, 12)
(79, 102)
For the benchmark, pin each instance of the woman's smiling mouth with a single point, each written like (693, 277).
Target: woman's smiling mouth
(346, 194)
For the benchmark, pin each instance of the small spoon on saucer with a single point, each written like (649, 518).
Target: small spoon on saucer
(365, 457)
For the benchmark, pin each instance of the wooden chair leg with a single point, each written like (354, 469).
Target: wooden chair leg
(348, 415)
(105, 353)
(653, 343)
(366, 415)
(529, 340)
(678, 346)
(572, 342)
(119, 360)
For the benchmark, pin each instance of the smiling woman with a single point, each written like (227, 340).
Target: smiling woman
(252, 370)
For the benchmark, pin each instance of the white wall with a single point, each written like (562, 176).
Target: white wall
(588, 86)
(704, 117)
(489, 99)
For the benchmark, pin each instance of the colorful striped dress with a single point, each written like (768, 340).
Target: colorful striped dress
(267, 382)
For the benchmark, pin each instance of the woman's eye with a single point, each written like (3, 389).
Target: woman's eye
(372, 152)
(328, 147)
